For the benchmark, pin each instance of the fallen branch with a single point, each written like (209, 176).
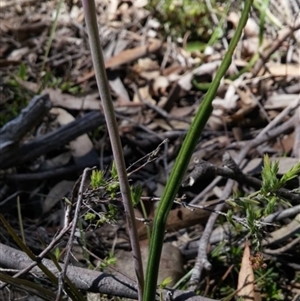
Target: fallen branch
(87, 280)
(204, 169)
(16, 129)
(53, 140)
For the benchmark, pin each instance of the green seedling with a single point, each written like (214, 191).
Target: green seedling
(108, 261)
(97, 179)
(136, 194)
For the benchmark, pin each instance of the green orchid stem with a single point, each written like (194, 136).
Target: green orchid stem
(182, 162)
(112, 127)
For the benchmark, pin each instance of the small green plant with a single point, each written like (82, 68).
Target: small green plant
(263, 202)
(69, 87)
(136, 193)
(105, 190)
(271, 184)
(57, 253)
(109, 216)
(97, 179)
(18, 98)
(46, 76)
(51, 81)
(113, 171)
(180, 17)
(228, 291)
(110, 186)
(163, 285)
(268, 284)
(89, 216)
(165, 282)
(22, 72)
(217, 252)
(108, 261)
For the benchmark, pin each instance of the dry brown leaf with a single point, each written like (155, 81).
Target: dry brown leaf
(285, 164)
(64, 100)
(56, 194)
(76, 14)
(160, 85)
(182, 111)
(245, 287)
(160, 123)
(130, 55)
(118, 87)
(229, 102)
(283, 69)
(248, 103)
(250, 47)
(150, 75)
(112, 9)
(89, 102)
(185, 82)
(286, 144)
(146, 64)
(171, 263)
(251, 29)
(215, 120)
(18, 54)
(284, 233)
(140, 3)
(179, 125)
(125, 57)
(80, 146)
(179, 219)
(236, 91)
(144, 94)
(279, 101)
(172, 70)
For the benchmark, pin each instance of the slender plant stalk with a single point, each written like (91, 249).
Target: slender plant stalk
(112, 126)
(49, 42)
(20, 220)
(182, 162)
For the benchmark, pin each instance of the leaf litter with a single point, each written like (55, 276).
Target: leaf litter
(157, 85)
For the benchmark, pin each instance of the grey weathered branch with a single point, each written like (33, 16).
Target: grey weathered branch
(16, 129)
(53, 140)
(204, 169)
(87, 280)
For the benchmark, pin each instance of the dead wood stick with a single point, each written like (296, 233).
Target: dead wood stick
(201, 259)
(204, 169)
(71, 169)
(54, 140)
(85, 279)
(63, 272)
(15, 130)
